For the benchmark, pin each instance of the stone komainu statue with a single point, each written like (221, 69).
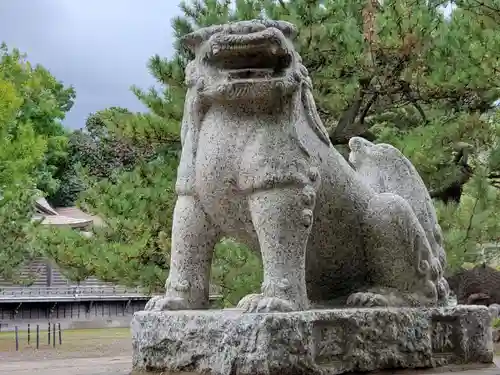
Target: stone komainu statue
(477, 286)
(257, 165)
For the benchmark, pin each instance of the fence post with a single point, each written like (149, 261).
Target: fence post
(29, 334)
(60, 334)
(54, 335)
(37, 336)
(48, 334)
(17, 339)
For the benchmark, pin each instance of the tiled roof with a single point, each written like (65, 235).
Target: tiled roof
(42, 206)
(64, 216)
(78, 214)
(65, 220)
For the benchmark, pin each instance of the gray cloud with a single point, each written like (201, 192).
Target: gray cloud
(101, 47)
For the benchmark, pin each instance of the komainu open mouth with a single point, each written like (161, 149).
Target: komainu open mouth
(250, 56)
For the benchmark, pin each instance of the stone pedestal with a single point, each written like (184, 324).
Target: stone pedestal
(323, 342)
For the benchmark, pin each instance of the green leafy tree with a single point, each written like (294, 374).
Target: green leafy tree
(44, 101)
(32, 148)
(21, 153)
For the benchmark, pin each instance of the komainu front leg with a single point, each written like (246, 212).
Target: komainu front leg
(402, 268)
(193, 241)
(282, 219)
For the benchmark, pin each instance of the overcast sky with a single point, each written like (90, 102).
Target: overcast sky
(101, 47)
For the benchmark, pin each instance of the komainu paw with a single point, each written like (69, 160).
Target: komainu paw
(166, 303)
(367, 299)
(390, 297)
(258, 303)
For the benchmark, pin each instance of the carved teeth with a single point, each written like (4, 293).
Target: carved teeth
(264, 48)
(250, 73)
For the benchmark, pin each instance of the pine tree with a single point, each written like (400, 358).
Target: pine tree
(381, 71)
(397, 72)
(392, 71)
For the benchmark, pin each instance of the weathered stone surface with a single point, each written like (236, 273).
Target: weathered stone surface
(257, 165)
(322, 342)
(386, 170)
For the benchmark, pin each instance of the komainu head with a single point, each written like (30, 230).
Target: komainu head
(243, 60)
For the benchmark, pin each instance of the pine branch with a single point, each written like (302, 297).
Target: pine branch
(469, 226)
(412, 98)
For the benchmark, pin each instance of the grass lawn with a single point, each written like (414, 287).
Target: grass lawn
(75, 343)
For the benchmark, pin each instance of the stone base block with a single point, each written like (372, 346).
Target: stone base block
(322, 342)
